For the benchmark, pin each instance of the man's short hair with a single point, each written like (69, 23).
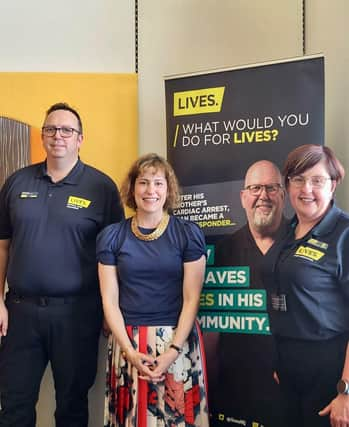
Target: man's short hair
(66, 107)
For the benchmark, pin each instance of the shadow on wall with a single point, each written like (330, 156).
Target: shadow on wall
(20, 145)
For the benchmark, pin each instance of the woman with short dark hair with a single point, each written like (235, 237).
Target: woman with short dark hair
(307, 273)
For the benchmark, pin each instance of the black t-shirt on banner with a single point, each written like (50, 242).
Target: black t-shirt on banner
(246, 391)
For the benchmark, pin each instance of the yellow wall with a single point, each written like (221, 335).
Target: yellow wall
(107, 104)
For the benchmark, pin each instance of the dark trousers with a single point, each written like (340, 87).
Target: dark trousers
(62, 331)
(308, 373)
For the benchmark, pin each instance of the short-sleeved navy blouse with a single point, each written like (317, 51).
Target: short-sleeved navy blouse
(150, 273)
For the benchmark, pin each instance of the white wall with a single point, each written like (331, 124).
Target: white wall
(67, 36)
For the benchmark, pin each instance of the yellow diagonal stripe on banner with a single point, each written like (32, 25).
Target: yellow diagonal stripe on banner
(176, 136)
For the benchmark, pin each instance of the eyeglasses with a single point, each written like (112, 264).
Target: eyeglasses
(64, 131)
(315, 181)
(256, 189)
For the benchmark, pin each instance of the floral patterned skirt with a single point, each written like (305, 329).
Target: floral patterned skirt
(180, 400)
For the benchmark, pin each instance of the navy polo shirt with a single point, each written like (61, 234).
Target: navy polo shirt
(313, 274)
(53, 228)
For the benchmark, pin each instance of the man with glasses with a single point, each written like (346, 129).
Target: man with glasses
(50, 214)
(263, 200)
(247, 391)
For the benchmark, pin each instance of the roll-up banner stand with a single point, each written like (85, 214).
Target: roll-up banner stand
(218, 123)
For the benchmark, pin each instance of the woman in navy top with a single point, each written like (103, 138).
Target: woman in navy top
(151, 269)
(308, 276)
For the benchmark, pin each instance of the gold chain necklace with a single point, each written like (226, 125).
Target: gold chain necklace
(159, 230)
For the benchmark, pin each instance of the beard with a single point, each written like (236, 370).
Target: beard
(262, 221)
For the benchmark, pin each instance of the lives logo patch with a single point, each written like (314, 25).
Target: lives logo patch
(78, 202)
(309, 253)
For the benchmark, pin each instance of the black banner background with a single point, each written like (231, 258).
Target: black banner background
(266, 111)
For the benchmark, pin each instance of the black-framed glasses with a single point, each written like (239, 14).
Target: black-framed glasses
(317, 181)
(64, 131)
(256, 189)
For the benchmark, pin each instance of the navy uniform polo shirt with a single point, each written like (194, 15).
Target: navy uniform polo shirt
(53, 228)
(313, 275)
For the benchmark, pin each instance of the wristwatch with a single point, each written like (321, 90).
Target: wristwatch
(343, 386)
